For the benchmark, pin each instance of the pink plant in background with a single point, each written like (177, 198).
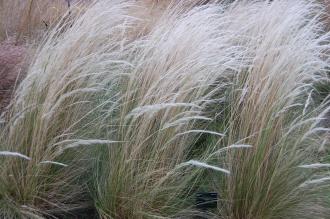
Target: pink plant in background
(12, 68)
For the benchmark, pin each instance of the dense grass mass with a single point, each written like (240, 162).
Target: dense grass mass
(131, 108)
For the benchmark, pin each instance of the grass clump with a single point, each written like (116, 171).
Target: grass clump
(131, 115)
(270, 111)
